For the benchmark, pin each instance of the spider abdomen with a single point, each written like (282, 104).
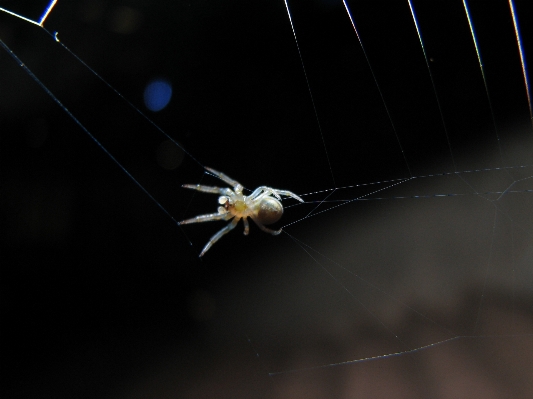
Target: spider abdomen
(269, 210)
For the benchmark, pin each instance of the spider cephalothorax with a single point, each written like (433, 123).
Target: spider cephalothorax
(263, 206)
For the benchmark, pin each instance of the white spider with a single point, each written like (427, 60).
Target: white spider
(262, 206)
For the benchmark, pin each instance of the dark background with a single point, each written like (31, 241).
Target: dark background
(100, 288)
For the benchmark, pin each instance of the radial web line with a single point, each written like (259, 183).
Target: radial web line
(419, 196)
(100, 77)
(176, 143)
(350, 293)
(368, 283)
(347, 202)
(432, 82)
(310, 94)
(321, 202)
(78, 122)
(395, 354)
(379, 89)
(256, 354)
(31, 21)
(378, 357)
(474, 39)
(522, 57)
(47, 12)
(430, 175)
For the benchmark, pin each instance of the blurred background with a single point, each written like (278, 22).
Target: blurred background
(103, 295)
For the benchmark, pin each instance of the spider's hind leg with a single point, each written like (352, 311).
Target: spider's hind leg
(218, 235)
(246, 226)
(265, 229)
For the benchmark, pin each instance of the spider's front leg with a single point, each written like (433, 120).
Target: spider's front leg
(209, 189)
(226, 179)
(263, 191)
(288, 194)
(206, 218)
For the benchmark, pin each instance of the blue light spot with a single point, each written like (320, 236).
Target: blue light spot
(157, 94)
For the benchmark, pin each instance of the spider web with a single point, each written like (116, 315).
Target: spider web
(420, 260)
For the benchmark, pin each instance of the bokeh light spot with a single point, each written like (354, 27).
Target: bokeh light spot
(157, 94)
(125, 20)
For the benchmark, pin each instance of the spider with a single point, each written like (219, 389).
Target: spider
(263, 206)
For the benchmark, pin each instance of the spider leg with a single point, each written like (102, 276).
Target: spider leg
(209, 189)
(246, 226)
(225, 178)
(262, 191)
(265, 229)
(287, 194)
(207, 218)
(218, 235)
(256, 193)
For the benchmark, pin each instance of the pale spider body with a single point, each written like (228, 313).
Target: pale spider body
(263, 206)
